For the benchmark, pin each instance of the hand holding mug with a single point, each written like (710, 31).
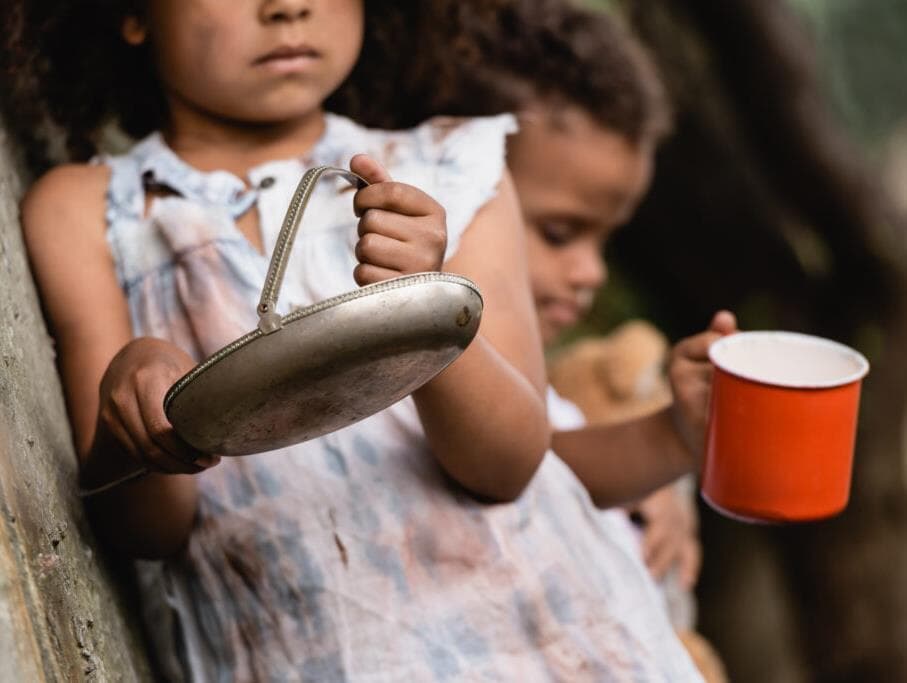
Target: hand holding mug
(690, 373)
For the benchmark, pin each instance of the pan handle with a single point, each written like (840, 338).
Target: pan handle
(268, 319)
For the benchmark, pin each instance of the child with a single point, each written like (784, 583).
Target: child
(592, 113)
(374, 552)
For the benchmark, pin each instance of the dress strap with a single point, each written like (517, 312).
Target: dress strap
(124, 208)
(125, 192)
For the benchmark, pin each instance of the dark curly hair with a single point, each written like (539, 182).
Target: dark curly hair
(66, 69)
(64, 64)
(490, 57)
(67, 72)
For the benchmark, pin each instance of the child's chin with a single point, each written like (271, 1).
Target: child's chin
(551, 332)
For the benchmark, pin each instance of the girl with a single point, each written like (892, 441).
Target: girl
(374, 552)
(592, 111)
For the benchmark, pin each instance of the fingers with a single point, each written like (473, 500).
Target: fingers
(132, 411)
(402, 230)
(369, 169)
(724, 323)
(697, 346)
(366, 274)
(123, 418)
(659, 551)
(383, 251)
(393, 225)
(113, 422)
(689, 564)
(398, 198)
(165, 446)
(154, 436)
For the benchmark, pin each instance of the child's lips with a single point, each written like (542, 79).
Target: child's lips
(288, 58)
(563, 313)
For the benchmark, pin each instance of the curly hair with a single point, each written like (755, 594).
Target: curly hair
(67, 72)
(501, 55)
(65, 66)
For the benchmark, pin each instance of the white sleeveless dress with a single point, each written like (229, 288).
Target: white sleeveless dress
(352, 557)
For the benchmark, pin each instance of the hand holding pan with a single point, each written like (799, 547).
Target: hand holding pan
(326, 366)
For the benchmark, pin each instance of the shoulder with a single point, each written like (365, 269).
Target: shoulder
(70, 194)
(68, 183)
(64, 228)
(448, 140)
(65, 206)
(443, 131)
(461, 162)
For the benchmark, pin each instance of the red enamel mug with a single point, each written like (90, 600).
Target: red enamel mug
(782, 426)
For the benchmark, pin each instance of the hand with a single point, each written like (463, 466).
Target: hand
(670, 535)
(132, 412)
(690, 372)
(401, 229)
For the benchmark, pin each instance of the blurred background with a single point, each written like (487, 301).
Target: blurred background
(782, 196)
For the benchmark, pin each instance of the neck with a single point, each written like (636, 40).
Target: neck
(209, 144)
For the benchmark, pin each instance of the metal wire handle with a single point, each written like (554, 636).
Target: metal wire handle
(268, 319)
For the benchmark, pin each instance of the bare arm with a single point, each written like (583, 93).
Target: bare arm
(622, 462)
(484, 416)
(63, 224)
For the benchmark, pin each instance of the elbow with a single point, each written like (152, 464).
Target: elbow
(149, 548)
(506, 493)
(606, 501)
(136, 545)
(499, 492)
(519, 461)
(150, 519)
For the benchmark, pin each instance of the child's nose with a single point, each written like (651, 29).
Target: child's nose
(276, 11)
(588, 270)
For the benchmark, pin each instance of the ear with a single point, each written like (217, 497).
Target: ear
(134, 31)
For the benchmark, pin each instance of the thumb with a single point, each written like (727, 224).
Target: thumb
(370, 170)
(723, 322)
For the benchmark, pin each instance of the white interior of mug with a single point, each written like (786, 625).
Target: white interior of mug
(788, 359)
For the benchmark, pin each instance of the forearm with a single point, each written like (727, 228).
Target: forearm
(489, 444)
(623, 462)
(150, 517)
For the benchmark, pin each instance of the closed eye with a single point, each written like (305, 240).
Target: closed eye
(555, 233)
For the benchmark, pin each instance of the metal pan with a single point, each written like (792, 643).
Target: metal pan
(330, 365)
(323, 367)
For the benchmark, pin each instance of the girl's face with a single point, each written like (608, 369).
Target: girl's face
(251, 61)
(577, 182)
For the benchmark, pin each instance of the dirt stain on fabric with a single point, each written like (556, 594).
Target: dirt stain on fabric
(344, 556)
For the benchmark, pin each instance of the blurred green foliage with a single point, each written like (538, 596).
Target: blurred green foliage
(860, 49)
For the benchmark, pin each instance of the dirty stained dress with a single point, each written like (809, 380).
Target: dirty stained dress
(351, 557)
